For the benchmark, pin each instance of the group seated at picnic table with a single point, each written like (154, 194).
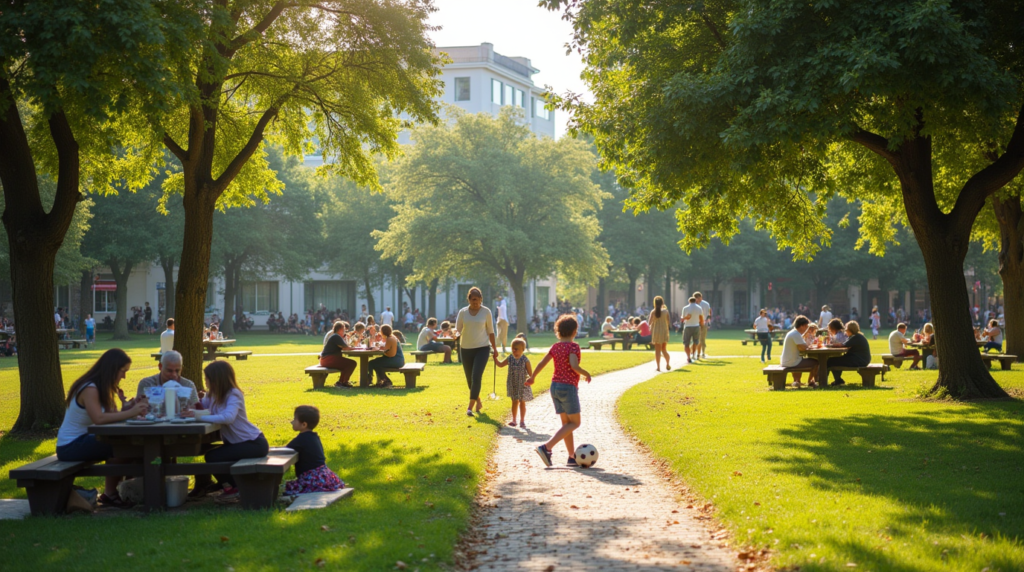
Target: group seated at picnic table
(804, 336)
(93, 400)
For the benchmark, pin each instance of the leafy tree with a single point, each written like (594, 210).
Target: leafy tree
(484, 194)
(76, 81)
(766, 109)
(338, 72)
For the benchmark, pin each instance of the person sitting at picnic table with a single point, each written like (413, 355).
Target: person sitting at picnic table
(170, 370)
(928, 334)
(994, 335)
(242, 440)
(357, 335)
(811, 335)
(427, 341)
(792, 345)
(897, 345)
(392, 358)
(215, 333)
(331, 358)
(643, 331)
(607, 327)
(91, 401)
(859, 354)
(836, 335)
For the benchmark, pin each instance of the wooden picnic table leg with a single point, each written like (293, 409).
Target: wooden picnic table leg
(822, 371)
(364, 371)
(153, 474)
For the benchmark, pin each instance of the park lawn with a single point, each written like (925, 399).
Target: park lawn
(832, 478)
(414, 458)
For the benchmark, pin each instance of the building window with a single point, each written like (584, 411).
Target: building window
(62, 297)
(542, 296)
(508, 95)
(462, 89)
(331, 295)
(495, 92)
(104, 301)
(260, 296)
(540, 109)
(519, 98)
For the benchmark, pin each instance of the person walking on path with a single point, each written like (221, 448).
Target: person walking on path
(692, 318)
(824, 318)
(476, 327)
(706, 309)
(501, 325)
(876, 322)
(661, 325)
(763, 327)
(565, 392)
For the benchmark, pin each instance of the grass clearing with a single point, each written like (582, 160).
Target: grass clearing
(830, 478)
(413, 456)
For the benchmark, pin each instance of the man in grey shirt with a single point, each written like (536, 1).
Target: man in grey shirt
(170, 370)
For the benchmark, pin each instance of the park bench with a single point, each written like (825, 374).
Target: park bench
(894, 361)
(777, 375)
(421, 357)
(867, 373)
(598, 344)
(238, 355)
(65, 344)
(1005, 360)
(258, 480)
(156, 356)
(411, 371)
(319, 374)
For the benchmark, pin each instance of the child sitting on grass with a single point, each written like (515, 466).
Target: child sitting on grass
(311, 468)
(519, 370)
(564, 387)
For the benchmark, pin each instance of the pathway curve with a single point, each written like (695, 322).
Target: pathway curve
(622, 514)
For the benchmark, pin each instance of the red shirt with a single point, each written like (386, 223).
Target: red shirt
(645, 329)
(560, 353)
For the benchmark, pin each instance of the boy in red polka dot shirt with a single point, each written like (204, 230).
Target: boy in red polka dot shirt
(564, 386)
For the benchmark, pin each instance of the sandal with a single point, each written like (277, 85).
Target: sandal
(511, 423)
(115, 501)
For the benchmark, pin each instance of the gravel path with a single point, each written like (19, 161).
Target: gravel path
(623, 514)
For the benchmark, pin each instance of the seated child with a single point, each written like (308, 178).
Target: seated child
(607, 327)
(311, 469)
(811, 335)
(836, 332)
(446, 330)
(358, 332)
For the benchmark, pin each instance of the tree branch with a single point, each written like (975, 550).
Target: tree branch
(714, 30)
(874, 142)
(978, 188)
(68, 170)
(174, 148)
(236, 164)
(257, 30)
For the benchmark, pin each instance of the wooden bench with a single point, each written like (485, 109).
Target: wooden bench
(319, 374)
(258, 480)
(48, 481)
(867, 373)
(421, 357)
(777, 375)
(238, 355)
(891, 360)
(1005, 360)
(598, 344)
(411, 371)
(65, 344)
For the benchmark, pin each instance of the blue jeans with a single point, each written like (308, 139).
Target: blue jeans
(766, 344)
(436, 347)
(85, 448)
(566, 398)
(474, 362)
(254, 449)
(993, 346)
(378, 365)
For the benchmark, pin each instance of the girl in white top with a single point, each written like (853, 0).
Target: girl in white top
(825, 317)
(477, 333)
(91, 401)
(607, 327)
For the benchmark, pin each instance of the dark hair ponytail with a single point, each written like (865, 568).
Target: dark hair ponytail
(658, 303)
(104, 374)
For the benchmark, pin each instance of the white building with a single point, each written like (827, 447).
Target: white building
(478, 79)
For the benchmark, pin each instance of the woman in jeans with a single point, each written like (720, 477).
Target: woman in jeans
(392, 358)
(763, 327)
(476, 331)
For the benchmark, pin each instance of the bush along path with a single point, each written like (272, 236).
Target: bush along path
(622, 514)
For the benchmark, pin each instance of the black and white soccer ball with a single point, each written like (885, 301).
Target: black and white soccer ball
(586, 455)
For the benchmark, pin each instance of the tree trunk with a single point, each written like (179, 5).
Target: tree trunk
(516, 283)
(85, 297)
(1011, 269)
(432, 299)
(602, 297)
(121, 280)
(631, 293)
(370, 306)
(167, 263)
(649, 286)
(193, 279)
(668, 289)
(230, 273)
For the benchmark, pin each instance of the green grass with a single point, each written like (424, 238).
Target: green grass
(414, 458)
(876, 477)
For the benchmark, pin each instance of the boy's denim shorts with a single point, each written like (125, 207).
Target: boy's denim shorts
(566, 398)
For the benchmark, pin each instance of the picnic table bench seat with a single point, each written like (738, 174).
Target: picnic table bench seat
(65, 344)
(421, 357)
(258, 480)
(411, 371)
(777, 375)
(892, 360)
(1005, 360)
(319, 374)
(867, 373)
(237, 354)
(598, 344)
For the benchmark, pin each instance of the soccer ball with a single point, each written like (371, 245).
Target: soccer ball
(586, 455)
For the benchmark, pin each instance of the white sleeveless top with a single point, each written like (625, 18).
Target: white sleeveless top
(76, 421)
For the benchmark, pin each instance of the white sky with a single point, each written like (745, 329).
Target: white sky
(516, 28)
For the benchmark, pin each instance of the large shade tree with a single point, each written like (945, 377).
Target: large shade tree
(337, 72)
(766, 108)
(77, 82)
(484, 194)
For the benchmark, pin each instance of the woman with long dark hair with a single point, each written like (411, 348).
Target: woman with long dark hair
(92, 400)
(242, 439)
(476, 333)
(660, 324)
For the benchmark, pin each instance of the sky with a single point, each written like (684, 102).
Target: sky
(516, 28)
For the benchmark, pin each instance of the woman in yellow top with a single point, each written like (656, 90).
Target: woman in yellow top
(660, 326)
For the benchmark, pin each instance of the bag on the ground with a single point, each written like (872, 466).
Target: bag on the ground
(931, 363)
(131, 491)
(82, 499)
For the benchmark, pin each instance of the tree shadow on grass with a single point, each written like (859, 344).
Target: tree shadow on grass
(17, 451)
(951, 473)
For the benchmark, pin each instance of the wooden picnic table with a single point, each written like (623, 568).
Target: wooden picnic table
(211, 346)
(626, 336)
(926, 349)
(452, 343)
(165, 441)
(778, 334)
(63, 332)
(364, 356)
(823, 355)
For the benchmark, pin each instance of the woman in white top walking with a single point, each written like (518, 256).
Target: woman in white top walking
(476, 334)
(824, 318)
